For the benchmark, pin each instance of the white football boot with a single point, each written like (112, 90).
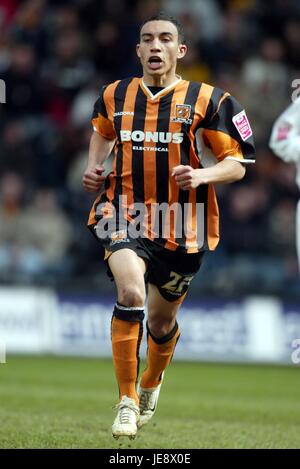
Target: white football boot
(148, 402)
(125, 423)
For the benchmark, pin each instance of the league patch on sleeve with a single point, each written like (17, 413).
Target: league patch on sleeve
(242, 125)
(283, 131)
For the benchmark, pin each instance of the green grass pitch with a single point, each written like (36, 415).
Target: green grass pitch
(49, 402)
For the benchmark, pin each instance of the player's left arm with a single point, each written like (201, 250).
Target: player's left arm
(225, 171)
(227, 135)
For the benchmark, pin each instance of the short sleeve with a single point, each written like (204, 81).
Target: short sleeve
(228, 132)
(285, 137)
(100, 121)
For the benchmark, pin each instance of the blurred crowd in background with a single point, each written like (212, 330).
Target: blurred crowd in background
(55, 56)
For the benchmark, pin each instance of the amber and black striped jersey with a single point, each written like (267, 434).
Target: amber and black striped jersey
(186, 123)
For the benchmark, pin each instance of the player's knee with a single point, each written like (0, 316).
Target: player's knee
(131, 295)
(160, 327)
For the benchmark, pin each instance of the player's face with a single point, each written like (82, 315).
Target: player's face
(159, 48)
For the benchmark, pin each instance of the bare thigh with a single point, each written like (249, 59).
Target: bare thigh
(128, 270)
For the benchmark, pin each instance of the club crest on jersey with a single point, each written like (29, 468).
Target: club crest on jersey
(182, 113)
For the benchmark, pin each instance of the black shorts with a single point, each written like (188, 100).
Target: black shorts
(170, 271)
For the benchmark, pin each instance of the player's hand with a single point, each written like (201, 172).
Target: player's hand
(187, 177)
(92, 179)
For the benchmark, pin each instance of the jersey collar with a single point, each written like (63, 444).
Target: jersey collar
(161, 92)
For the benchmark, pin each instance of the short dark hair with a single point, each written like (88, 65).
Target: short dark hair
(162, 16)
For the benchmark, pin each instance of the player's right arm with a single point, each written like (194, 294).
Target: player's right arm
(100, 149)
(101, 144)
(285, 137)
